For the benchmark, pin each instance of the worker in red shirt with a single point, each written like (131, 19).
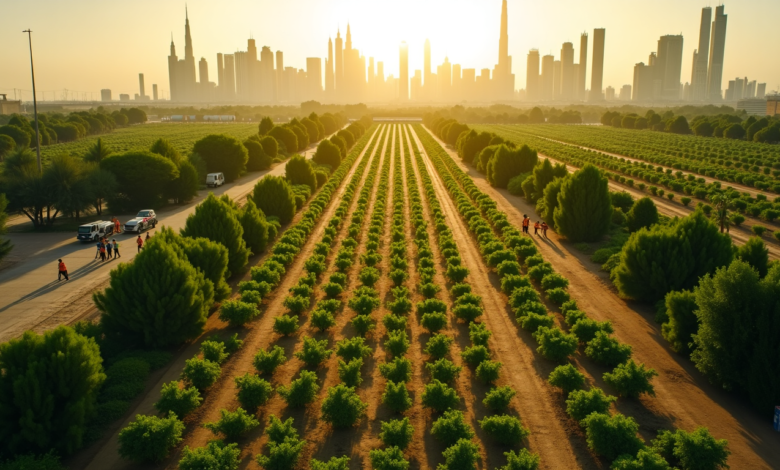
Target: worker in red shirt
(526, 223)
(140, 242)
(63, 271)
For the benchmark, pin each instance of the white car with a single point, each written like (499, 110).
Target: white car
(142, 221)
(215, 179)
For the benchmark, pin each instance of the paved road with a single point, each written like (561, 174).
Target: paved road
(31, 297)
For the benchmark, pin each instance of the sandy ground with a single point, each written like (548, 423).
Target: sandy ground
(684, 399)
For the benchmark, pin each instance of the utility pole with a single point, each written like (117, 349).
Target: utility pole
(35, 103)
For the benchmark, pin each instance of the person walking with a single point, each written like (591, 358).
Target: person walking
(544, 229)
(116, 248)
(148, 236)
(109, 248)
(117, 226)
(536, 228)
(97, 253)
(63, 271)
(140, 242)
(526, 223)
(102, 252)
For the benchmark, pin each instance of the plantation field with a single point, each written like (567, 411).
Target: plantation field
(415, 326)
(142, 136)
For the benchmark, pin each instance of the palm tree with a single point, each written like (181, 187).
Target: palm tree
(722, 214)
(97, 152)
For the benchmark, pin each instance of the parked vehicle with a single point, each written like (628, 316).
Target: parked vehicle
(95, 231)
(142, 221)
(215, 179)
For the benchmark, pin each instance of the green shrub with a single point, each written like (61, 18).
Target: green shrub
(451, 427)
(297, 304)
(692, 450)
(505, 429)
(462, 455)
(335, 463)
(353, 348)
(643, 214)
(456, 274)
(253, 392)
(299, 171)
(567, 378)
(443, 370)
(606, 350)
(363, 324)
(322, 319)
(233, 424)
(251, 297)
(313, 352)
(631, 379)
(585, 211)
(369, 276)
(553, 280)
(438, 345)
(582, 403)
(488, 371)
(394, 322)
(397, 433)
(558, 295)
(364, 304)
(398, 370)
(396, 397)
(498, 398)
(200, 373)
(286, 325)
(433, 322)
(439, 396)
(612, 436)
(645, 459)
(281, 455)
(758, 230)
(467, 312)
(301, 391)
(391, 458)
(400, 306)
(266, 362)
(585, 329)
(522, 460)
(216, 456)
(273, 195)
(554, 344)
(397, 343)
(214, 351)
(479, 334)
(458, 290)
(149, 438)
(534, 321)
(342, 407)
(680, 307)
(429, 290)
(474, 355)
(178, 401)
(280, 431)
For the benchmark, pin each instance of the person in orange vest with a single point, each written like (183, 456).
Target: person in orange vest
(140, 242)
(63, 271)
(544, 228)
(536, 228)
(526, 223)
(117, 226)
(102, 251)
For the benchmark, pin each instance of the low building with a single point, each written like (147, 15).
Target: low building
(105, 94)
(9, 106)
(124, 97)
(773, 105)
(752, 106)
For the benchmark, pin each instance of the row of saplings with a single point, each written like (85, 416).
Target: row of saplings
(185, 274)
(452, 428)
(613, 437)
(149, 438)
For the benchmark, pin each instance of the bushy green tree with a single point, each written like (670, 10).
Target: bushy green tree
(214, 456)
(567, 378)
(612, 436)
(177, 400)
(666, 258)
(328, 154)
(342, 407)
(48, 388)
(274, 197)
(300, 171)
(222, 153)
(498, 398)
(391, 458)
(200, 373)
(142, 179)
(755, 253)
(697, 450)
(397, 433)
(301, 391)
(149, 438)
(439, 396)
(255, 227)
(186, 185)
(682, 324)
(233, 424)
(211, 258)
(257, 159)
(581, 403)
(335, 463)
(174, 305)
(584, 211)
(631, 379)
(163, 147)
(462, 455)
(643, 214)
(396, 397)
(451, 427)
(508, 163)
(218, 221)
(522, 460)
(505, 429)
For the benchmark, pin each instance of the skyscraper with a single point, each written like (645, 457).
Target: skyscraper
(154, 91)
(567, 72)
(547, 78)
(403, 73)
(557, 80)
(582, 68)
(267, 82)
(189, 60)
(174, 78)
(644, 78)
(445, 80)
(220, 74)
(329, 80)
(668, 67)
(282, 94)
(314, 77)
(503, 79)
(229, 88)
(532, 76)
(427, 69)
(717, 49)
(700, 58)
(597, 77)
(141, 87)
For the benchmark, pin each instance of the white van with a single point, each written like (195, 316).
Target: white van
(215, 179)
(95, 231)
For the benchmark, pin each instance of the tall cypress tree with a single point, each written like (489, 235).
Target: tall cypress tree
(584, 210)
(274, 196)
(255, 227)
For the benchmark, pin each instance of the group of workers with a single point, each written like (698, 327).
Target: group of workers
(106, 249)
(538, 225)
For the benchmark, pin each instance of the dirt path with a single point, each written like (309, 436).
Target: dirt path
(684, 399)
(557, 442)
(222, 395)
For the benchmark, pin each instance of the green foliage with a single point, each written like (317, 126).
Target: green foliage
(498, 398)
(439, 396)
(584, 210)
(274, 196)
(335, 463)
(645, 459)
(222, 153)
(396, 396)
(286, 325)
(697, 450)
(313, 352)
(149, 438)
(755, 253)
(397, 433)
(505, 429)
(156, 173)
(397, 370)
(462, 455)
(643, 214)
(257, 159)
(233, 424)
(322, 319)
(178, 401)
(475, 355)
(282, 455)
(581, 403)
(253, 392)
(567, 378)
(342, 407)
(200, 373)
(353, 348)
(328, 154)
(612, 436)
(349, 372)
(214, 351)
(438, 345)
(522, 460)
(631, 379)
(479, 334)
(391, 458)
(443, 370)
(215, 456)
(255, 227)
(507, 163)
(364, 304)
(666, 258)
(433, 322)
(48, 387)
(554, 344)
(488, 371)
(48, 461)
(680, 308)
(397, 343)
(300, 171)
(266, 362)
(606, 350)
(238, 313)
(301, 391)
(182, 297)
(451, 427)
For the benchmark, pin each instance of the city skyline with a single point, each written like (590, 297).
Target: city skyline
(481, 47)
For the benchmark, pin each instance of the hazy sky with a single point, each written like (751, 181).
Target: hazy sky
(86, 45)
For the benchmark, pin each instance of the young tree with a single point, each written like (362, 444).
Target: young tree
(286, 137)
(163, 147)
(182, 298)
(98, 152)
(265, 126)
(222, 153)
(584, 211)
(756, 254)
(186, 185)
(300, 171)
(508, 163)
(215, 456)
(612, 436)
(219, 222)
(342, 407)
(643, 214)
(683, 324)
(270, 146)
(274, 197)
(257, 159)
(149, 438)
(328, 154)
(48, 390)
(255, 227)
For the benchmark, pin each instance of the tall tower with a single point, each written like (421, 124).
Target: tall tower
(567, 71)
(348, 45)
(141, 86)
(339, 75)
(597, 66)
(547, 78)
(701, 57)
(229, 90)
(173, 74)
(190, 82)
(203, 73)
(329, 70)
(502, 76)
(583, 67)
(717, 49)
(403, 73)
(532, 76)
(427, 65)
(669, 66)
(282, 93)
(220, 75)
(503, 40)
